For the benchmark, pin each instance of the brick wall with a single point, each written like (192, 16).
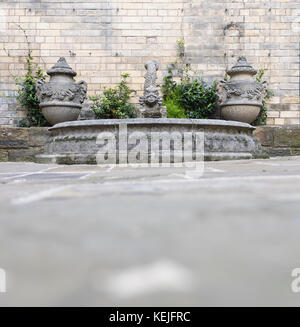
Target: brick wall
(103, 38)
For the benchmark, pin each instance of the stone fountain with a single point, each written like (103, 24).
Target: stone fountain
(151, 138)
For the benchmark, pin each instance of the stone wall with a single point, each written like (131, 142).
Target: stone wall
(279, 140)
(22, 144)
(103, 38)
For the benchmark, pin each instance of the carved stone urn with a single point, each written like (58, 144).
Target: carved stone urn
(241, 97)
(61, 99)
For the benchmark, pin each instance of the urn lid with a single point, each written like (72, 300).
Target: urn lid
(61, 67)
(243, 67)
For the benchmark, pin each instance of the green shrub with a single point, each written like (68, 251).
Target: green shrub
(114, 104)
(168, 86)
(198, 99)
(174, 109)
(27, 97)
(189, 98)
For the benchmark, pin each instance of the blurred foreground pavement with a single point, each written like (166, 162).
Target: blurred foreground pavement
(85, 235)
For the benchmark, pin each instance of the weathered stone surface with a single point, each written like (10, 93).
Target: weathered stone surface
(22, 144)
(86, 113)
(295, 151)
(67, 241)
(20, 155)
(11, 137)
(279, 140)
(3, 155)
(38, 136)
(241, 97)
(61, 99)
(288, 136)
(265, 135)
(278, 152)
(80, 142)
(151, 102)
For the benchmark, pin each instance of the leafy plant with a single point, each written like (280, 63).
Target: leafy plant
(26, 94)
(198, 99)
(189, 97)
(174, 109)
(262, 117)
(168, 86)
(180, 68)
(114, 104)
(181, 47)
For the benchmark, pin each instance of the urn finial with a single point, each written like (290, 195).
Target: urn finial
(61, 67)
(242, 67)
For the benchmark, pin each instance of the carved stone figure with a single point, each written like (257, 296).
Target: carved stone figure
(241, 97)
(61, 99)
(151, 102)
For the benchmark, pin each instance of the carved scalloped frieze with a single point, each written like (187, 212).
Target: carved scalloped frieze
(50, 92)
(253, 91)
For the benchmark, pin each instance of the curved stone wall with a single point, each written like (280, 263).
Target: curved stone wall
(82, 142)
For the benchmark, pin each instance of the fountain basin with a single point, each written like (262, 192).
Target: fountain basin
(83, 142)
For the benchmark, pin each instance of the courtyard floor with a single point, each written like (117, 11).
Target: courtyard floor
(85, 235)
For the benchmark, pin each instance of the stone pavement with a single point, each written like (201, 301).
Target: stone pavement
(85, 235)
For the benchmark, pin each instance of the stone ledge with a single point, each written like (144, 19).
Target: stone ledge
(152, 121)
(279, 140)
(75, 142)
(22, 144)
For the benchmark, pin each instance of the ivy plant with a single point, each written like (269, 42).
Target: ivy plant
(26, 93)
(27, 97)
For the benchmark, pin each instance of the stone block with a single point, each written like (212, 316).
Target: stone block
(14, 138)
(3, 155)
(278, 152)
(38, 136)
(295, 151)
(265, 135)
(19, 155)
(287, 136)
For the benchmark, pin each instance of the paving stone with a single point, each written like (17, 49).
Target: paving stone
(228, 237)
